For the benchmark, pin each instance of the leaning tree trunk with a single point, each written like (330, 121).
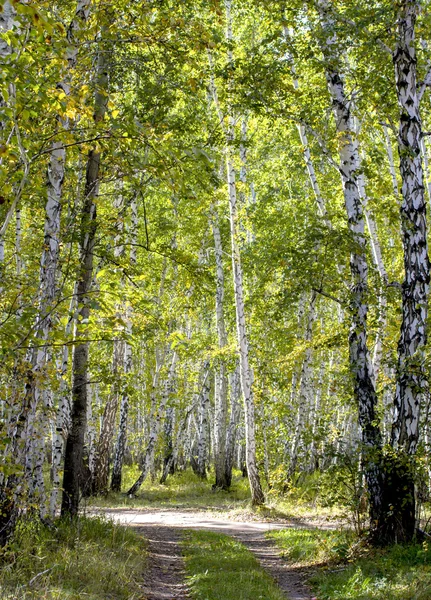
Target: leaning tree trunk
(360, 363)
(75, 440)
(411, 385)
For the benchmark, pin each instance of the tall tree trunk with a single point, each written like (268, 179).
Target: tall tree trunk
(204, 401)
(360, 363)
(246, 372)
(62, 423)
(235, 412)
(220, 413)
(412, 384)
(41, 397)
(75, 440)
(120, 446)
(304, 397)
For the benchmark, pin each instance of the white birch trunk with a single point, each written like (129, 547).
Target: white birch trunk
(220, 416)
(204, 403)
(75, 441)
(411, 374)
(246, 374)
(314, 418)
(127, 368)
(235, 413)
(63, 415)
(41, 398)
(304, 399)
(360, 362)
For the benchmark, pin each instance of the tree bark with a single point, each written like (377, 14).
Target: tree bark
(235, 412)
(120, 446)
(204, 401)
(220, 412)
(360, 363)
(75, 441)
(411, 384)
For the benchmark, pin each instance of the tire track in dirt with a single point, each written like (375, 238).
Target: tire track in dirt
(165, 579)
(165, 575)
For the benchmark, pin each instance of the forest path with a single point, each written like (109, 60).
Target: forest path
(162, 528)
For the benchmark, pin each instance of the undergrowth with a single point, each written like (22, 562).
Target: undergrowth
(346, 568)
(185, 491)
(90, 559)
(221, 568)
(305, 547)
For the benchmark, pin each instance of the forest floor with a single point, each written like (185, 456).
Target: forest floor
(163, 530)
(214, 545)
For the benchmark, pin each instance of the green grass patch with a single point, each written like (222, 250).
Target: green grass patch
(182, 491)
(185, 491)
(221, 568)
(91, 559)
(305, 547)
(353, 571)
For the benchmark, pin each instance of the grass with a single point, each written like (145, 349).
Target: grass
(92, 559)
(346, 569)
(186, 491)
(220, 568)
(305, 547)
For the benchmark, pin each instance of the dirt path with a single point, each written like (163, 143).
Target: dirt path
(164, 579)
(163, 530)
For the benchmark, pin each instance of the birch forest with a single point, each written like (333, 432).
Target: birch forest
(213, 252)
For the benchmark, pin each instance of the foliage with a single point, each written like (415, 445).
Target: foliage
(162, 147)
(347, 569)
(398, 573)
(313, 546)
(343, 485)
(183, 490)
(91, 558)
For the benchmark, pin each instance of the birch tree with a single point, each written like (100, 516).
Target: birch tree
(411, 385)
(220, 413)
(75, 440)
(360, 362)
(120, 446)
